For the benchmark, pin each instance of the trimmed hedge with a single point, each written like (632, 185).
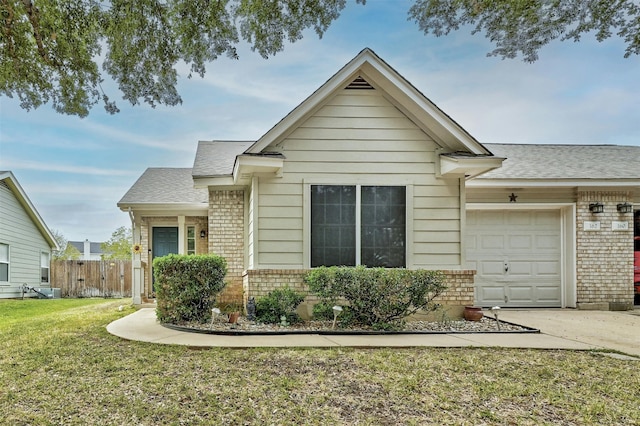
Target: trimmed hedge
(187, 286)
(378, 297)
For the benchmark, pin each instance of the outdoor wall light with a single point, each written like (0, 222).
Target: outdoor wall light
(625, 208)
(596, 207)
(203, 233)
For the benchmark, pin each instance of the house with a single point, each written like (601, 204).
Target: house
(367, 170)
(88, 250)
(25, 241)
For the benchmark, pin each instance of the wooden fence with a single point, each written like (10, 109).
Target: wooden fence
(92, 278)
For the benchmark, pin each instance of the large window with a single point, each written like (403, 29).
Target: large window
(353, 224)
(44, 267)
(4, 263)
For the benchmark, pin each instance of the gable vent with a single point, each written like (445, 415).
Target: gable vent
(359, 84)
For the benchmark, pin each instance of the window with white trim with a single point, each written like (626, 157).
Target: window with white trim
(358, 225)
(44, 267)
(4, 263)
(191, 240)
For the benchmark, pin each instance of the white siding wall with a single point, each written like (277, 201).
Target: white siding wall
(25, 241)
(359, 137)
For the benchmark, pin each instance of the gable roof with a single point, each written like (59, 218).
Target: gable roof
(165, 186)
(370, 67)
(216, 158)
(12, 183)
(586, 164)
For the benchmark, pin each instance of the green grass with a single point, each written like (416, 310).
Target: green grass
(59, 365)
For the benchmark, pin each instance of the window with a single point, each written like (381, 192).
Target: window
(4, 263)
(44, 267)
(353, 225)
(191, 240)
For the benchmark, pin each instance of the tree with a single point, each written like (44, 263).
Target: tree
(524, 27)
(50, 48)
(119, 245)
(67, 251)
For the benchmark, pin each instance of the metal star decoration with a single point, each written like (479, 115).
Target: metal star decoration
(512, 198)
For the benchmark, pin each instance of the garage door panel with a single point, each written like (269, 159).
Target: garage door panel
(517, 255)
(547, 242)
(550, 294)
(488, 242)
(520, 242)
(549, 269)
(520, 269)
(493, 294)
(521, 294)
(491, 268)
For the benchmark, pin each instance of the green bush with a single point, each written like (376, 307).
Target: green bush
(283, 301)
(187, 286)
(377, 297)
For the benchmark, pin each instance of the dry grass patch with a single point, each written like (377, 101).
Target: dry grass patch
(62, 367)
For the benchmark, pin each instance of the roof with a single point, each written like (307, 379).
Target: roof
(415, 105)
(216, 158)
(165, 186)
(12, 183)
(567, 162)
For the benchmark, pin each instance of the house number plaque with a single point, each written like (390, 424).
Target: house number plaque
(591, 226)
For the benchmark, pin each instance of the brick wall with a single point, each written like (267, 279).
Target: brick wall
(604, 256)
(226, 238)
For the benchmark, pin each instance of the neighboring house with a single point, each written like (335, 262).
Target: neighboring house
(88, 250)
(367, 170)
(25, 241)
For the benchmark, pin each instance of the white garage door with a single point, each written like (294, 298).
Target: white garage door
(517, 256)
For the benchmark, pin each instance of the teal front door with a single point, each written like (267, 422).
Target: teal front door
(165, 241)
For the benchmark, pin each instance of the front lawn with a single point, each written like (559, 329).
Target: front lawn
(59, 365)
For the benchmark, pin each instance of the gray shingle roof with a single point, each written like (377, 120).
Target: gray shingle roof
(593, 162)
(165, 185)
(216, 158)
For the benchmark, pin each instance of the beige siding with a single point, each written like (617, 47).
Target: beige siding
(359, 137)
(25, 242)
(524, 195)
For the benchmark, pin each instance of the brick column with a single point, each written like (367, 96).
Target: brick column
(604, 256)
(226, 238)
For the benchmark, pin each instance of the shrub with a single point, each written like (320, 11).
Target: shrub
(277, 303)
(377, 297)
(187, 286)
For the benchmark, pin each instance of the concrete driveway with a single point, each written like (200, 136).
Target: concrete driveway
(618, 330)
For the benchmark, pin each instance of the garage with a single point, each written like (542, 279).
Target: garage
(517, 255)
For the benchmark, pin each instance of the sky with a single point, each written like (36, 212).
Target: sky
(75, 170)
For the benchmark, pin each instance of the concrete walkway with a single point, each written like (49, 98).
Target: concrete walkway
(560, 330)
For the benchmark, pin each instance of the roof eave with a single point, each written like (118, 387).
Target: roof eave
(26, 203)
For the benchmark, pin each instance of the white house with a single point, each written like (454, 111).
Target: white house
(25, 241)
(367, 170)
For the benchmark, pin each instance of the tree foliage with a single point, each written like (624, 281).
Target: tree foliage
(67, 251)
(523, 27)
(52, 50)
(119, 245)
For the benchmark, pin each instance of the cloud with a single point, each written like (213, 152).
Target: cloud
(40, 166)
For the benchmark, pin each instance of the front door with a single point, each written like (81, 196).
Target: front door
(165, 241)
